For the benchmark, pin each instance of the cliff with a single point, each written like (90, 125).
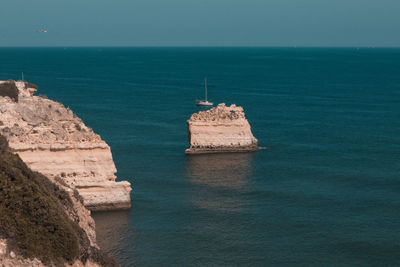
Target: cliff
(220, 129)
(52, 140)
(43, 223)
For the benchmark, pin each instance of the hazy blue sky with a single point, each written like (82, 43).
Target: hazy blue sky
(200, 22)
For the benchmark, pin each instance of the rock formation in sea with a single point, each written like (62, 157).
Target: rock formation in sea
(220, 129)
(52, 140)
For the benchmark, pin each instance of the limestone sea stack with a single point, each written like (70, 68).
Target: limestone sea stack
(220, 129)
(52, 140)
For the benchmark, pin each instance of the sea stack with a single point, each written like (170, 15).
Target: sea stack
(52, 140)
(220, 129)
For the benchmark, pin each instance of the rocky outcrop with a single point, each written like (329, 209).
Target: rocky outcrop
(220, 129)
(52, 140)
(43, 223)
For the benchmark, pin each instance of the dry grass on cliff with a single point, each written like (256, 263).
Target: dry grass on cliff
(32, 214)
(31, 85)
(9, 89)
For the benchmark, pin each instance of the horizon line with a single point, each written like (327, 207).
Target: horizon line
(192, 46)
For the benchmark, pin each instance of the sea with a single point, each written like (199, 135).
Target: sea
(323, 190)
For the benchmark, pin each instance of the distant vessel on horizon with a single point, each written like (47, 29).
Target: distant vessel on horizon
(204, 102)
(42, 29)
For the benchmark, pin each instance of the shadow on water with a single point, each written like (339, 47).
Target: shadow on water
(227, 170)
(218, 180)
(218, 194)
(111, 228)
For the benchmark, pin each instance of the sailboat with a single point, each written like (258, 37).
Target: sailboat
(205, 101)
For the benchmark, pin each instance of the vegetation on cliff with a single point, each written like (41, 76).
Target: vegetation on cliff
(34, 216)
(31, 85)
(31, 209)
(9, 89)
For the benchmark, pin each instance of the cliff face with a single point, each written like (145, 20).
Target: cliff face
(43, 223)
(220, 129)
(52, 140)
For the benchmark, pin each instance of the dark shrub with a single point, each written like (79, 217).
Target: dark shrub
(9, 89)
(3, 144)
(30, 85)
(77, 196)
(60, 181)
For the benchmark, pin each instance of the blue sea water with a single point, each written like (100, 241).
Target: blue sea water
(323, 191)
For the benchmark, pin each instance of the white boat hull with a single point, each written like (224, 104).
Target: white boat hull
(204, 103)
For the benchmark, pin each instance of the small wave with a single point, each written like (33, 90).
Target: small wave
(263, 148)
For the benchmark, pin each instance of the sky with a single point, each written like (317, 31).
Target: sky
(332, 23)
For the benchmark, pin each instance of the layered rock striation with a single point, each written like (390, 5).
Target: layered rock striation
(52, 140)
(220, 129)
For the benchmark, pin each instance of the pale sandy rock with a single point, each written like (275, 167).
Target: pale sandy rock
(87, 264)
(12, 259)
(81, 215)
(52, 140)
(220, 129)
(3, 247)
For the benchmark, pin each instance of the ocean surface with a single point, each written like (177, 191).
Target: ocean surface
(324, 190)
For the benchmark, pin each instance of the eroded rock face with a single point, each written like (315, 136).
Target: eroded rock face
(52, 140)
(220, 129)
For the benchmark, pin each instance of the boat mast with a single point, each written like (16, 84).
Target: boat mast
(205, 86)
(22, 76)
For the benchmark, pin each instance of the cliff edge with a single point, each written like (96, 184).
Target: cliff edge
(220, 129)
(52, 140)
